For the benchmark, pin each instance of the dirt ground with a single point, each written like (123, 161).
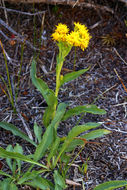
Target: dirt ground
(105, 84)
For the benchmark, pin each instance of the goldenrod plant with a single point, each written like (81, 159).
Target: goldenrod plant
(56, 152)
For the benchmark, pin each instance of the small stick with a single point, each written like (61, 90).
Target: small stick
(21, 12)
(120, 56)
(104, 93)
(122, 104)
(120, 80)
(5, 11)
(20, 37)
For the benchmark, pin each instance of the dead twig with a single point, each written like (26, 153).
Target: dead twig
(19, 36)
(5, 11)
(21, 12)
(105, 92)
(67, 2)
(121, 81)
(122, 104)
(119, 56)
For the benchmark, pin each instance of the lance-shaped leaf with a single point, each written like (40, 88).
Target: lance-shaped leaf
(7, 184)
(16, 132)
(54, 149)
(73, 75)
(37, 132)
(29, 176)
(59, 181)
(14, 155)
(46, 141)
(110, 185)
(5, 174)
(47, 93)
(89, 136)
(40, 183)
(47, 117)
(74, 133)
(48, 136)
(83, 109)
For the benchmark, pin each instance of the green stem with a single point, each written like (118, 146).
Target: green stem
(8, 77)
(4, 90)
(74, 60)
(74, 159)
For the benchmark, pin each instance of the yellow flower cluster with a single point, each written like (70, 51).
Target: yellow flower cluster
(60, 32)
(80, 37)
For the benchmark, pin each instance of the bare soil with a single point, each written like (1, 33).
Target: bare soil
(101, 85)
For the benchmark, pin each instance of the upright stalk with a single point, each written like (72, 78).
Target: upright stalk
(8, 77)
(74, 60)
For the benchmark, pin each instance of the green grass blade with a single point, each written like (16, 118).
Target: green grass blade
(93, 109)
(16, 132)
(110, 185)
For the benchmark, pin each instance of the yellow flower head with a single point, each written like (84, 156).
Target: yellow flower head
(84, 35)
(80, 37)
(73, 39)
(60, 32)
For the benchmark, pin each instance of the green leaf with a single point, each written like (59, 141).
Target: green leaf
(46, 141)
(7, 184)
(18, 149)
(37, 132)
(59, 114)
(73, 75)
(47, 117)
(16, 132)
(48, 136)
(59, 181)
(13, 155)
(54, 149)
(89, 136)
(8, 160)
(95, 134)
(110, 185)
(41, 183)
(28, 176)
(83, 109)
(47, 93)
(74, 133)
(5, 174)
